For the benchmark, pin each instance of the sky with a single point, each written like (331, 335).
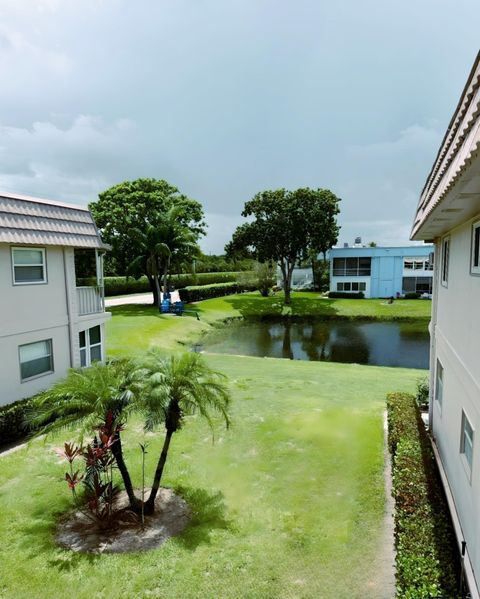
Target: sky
(225, 98)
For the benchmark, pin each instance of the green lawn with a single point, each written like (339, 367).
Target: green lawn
(287, 503)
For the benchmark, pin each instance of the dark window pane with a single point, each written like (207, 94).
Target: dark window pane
(94, 335)
(95, 353)
(26, 274)
(339, 286)
(347, 287)
(339, 266)
(354, 286)
(476, 249)
(83, 357)
(36, 367)
(408, 284)
(81, 338)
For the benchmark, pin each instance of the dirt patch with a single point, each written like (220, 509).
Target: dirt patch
(77, 532)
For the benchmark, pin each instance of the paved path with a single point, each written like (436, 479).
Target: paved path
(139, 298)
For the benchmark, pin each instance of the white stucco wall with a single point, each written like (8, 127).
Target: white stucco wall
(37, 312)
(456, 335)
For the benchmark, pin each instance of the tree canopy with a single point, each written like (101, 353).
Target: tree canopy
(136, 205)
(286, 227)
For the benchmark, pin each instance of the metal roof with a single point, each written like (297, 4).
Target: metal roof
(442, 204)
(33, 221)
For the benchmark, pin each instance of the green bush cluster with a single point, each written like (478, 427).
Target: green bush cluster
(426, 560)
(347, 294)
(12, 421)
(202, 292)
(124, 285)
(412, 295)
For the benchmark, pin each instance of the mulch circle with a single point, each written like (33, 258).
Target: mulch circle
(77, 531)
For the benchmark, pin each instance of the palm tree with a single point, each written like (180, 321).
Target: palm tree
(87, 397)
(160, 246)
(173, 387)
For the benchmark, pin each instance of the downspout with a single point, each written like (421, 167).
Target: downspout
(70, 305)
(432, 328)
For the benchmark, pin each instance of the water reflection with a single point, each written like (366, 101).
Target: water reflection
(384, 344)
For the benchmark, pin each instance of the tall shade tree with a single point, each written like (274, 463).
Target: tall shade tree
(136, 205)
(286, 227)
(174, 387)
(84, 400)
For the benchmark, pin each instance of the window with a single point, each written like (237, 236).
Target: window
(466, 440)
(445, 259)
(439, 383)
(35, 359)
(417, 264)
(348, 267)
(351, 286)
(28, 265)
(417, 284)
(475, 265)
(90, 346)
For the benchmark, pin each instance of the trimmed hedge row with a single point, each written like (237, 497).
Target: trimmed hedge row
(347, 294)
(202, 292)
(426, 560)
(124, 285)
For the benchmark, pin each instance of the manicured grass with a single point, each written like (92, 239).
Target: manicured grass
(139, 326)
(287, 503)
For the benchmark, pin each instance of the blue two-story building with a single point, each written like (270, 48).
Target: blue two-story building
(382, 271)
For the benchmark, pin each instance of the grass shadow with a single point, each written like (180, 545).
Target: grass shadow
(208, 514)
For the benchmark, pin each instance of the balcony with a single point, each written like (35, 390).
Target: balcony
(90, 300)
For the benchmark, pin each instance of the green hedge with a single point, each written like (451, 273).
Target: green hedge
(124, 285)
(12, 421)
(426, 557)
(201, 292)
(347, 294)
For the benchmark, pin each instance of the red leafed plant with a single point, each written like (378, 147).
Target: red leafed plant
(99, 462)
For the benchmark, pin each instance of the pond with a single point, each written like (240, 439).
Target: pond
(403, 344)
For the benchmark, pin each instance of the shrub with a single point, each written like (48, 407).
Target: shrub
(423, 393)
(124, 285)
(347, 294)
(426, 561)
(13, 419)
(412, 295)
(202, 292)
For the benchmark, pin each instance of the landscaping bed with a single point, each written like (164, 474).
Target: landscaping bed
(426, 560)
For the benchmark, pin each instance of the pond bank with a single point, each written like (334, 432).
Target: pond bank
(140, 326)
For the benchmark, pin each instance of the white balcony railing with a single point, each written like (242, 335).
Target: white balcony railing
(90, 300)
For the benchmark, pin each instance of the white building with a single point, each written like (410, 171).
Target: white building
(48, 323)
(448, 214)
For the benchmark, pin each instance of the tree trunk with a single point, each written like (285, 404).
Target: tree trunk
(135, 503)
(154, 290)
(287, 282)
(150, 503)
(157, 288)
(165, 275)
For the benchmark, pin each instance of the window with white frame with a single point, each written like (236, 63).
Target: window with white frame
(445, 259)
(419, 263)
(475, 264)
(90, 342)
(439, 383)
(35, 359)
(28, 266)
(351, 286)
(466, 440)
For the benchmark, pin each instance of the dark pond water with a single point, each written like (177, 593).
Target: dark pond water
(379, 343)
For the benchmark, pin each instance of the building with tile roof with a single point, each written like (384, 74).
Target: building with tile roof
(50, 320)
